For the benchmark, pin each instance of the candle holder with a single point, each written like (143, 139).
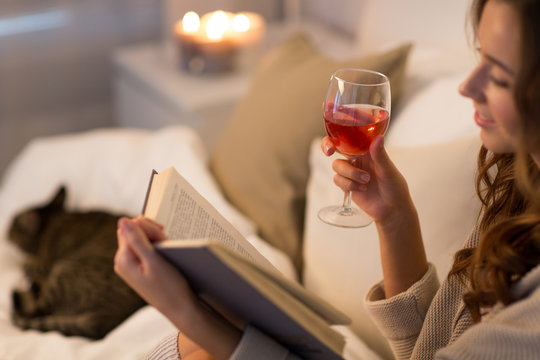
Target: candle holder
(219, 42)
(199, 58)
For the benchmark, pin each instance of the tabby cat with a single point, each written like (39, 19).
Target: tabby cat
(72, 287)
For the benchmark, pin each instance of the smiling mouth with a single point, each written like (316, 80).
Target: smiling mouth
(482, 122)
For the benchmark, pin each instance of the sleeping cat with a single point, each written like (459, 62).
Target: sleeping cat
(69, 266)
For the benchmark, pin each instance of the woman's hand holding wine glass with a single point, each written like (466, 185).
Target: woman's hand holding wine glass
(356, 111)
(369, 174)
(373, 182)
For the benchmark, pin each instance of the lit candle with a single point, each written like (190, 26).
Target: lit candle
(248, 31)
(191, 22)
(241, 23)
(215, 41)
(217, 25)
(248, 28)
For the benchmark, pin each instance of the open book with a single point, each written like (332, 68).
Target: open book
(225, 269)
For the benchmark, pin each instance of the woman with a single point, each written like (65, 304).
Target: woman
(489, 306)
(495, 280)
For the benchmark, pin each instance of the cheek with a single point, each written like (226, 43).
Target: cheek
(504, 136)
(504, 112)
(508, 118)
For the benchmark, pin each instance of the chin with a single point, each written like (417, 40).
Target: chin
(497, 144)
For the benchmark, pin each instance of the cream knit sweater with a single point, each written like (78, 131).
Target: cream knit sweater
(428, 322)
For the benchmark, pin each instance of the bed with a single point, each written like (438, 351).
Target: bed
(432, 139)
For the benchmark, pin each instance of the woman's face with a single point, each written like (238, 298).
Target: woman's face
(491, 84)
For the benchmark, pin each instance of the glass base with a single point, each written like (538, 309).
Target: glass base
(344, 217)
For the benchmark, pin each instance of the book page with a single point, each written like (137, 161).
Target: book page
(186, 214)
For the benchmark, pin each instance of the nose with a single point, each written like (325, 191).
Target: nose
(473, 86)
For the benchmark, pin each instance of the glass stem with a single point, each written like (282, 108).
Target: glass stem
(347, 200)
(347, 194)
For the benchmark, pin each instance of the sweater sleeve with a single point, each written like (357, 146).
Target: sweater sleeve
(401, 317)
(253, 345)
(167, 349)
(256, 345)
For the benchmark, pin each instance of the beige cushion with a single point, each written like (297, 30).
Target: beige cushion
(342, 264)
(261, 160)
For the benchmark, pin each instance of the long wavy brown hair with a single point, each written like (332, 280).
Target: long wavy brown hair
(508, 186)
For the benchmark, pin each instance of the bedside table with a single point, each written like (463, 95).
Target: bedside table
(151, 91)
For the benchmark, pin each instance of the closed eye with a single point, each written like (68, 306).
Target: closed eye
(498, 82)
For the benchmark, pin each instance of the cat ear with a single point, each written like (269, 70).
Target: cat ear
(60, 197)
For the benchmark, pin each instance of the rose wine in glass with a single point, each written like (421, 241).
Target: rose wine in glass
(356, 110)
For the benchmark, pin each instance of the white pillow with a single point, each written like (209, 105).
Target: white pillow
(432, 113)
(341, 264)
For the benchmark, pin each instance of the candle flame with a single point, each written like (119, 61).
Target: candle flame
(241, 23)
(191, 22)
(217, 25)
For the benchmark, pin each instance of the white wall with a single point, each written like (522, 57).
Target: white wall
(341, 15)
(55, 63)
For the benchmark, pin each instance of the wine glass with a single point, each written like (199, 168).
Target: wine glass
(356, 109)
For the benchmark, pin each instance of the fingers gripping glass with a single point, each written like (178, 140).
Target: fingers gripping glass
(356, 110)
